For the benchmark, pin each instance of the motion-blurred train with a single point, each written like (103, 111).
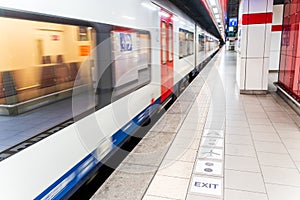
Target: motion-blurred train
(119, 62)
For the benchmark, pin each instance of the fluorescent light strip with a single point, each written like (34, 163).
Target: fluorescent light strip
(215, 10)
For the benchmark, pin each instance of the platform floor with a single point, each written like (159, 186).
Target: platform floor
(214, 143)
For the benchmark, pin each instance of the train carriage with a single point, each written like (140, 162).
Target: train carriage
(114, 66)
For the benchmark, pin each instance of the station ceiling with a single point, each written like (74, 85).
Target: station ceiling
(196, 10)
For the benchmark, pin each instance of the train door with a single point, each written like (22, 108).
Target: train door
(167, 63)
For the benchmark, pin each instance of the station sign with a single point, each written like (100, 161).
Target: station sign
(203, 185)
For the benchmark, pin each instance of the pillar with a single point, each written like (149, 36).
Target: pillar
(255, 25)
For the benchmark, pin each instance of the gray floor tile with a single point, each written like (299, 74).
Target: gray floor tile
(283, 176)
(247, 181)
(243, 195)
(125, 186)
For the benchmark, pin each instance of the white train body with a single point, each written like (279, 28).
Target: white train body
(52, 166)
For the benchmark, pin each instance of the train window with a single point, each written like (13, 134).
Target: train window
(181, 44)
(41, 65)
(131, 55)
(201, 42)
(50, 59)
(170, 42)
(164, 42)
(186, 43)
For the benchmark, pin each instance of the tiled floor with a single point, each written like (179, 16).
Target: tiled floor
(221, 145)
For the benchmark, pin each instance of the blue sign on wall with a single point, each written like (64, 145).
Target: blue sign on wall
(232, 22)
(125, 42)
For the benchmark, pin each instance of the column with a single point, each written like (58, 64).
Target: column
(255, 25)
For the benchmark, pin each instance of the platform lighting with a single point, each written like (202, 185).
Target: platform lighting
(216, 11)
(146, 5)
(212, 2)
(217, 16)
(218, 20)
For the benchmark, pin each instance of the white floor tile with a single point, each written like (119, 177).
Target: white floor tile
(295, 154)
(265, 137)
(276, 160)
(238, 131)
(200, 197)
(243, 195)
(181, 154)
(239, 150)
(238, 139)
(262, 128)
(270, 147)
(148, 197)
(281, 192)
(291, 143)
(176, 169)
(282, 176)
(168, 187)
(241, 163)
(247, 181)
(289, 134)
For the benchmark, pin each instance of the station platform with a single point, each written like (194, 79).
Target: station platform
(214, 143)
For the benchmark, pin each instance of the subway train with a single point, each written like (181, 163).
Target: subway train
(115, 63)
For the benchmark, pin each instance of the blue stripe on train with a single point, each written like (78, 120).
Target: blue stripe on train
(128, 128)
(64, 184)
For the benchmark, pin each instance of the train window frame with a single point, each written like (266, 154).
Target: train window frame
(122, 90)
(171, 47)
(47, 18)
(164, 42)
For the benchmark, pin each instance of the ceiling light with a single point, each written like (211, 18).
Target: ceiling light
(215, 10)
(217, 16)
(212, 2)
